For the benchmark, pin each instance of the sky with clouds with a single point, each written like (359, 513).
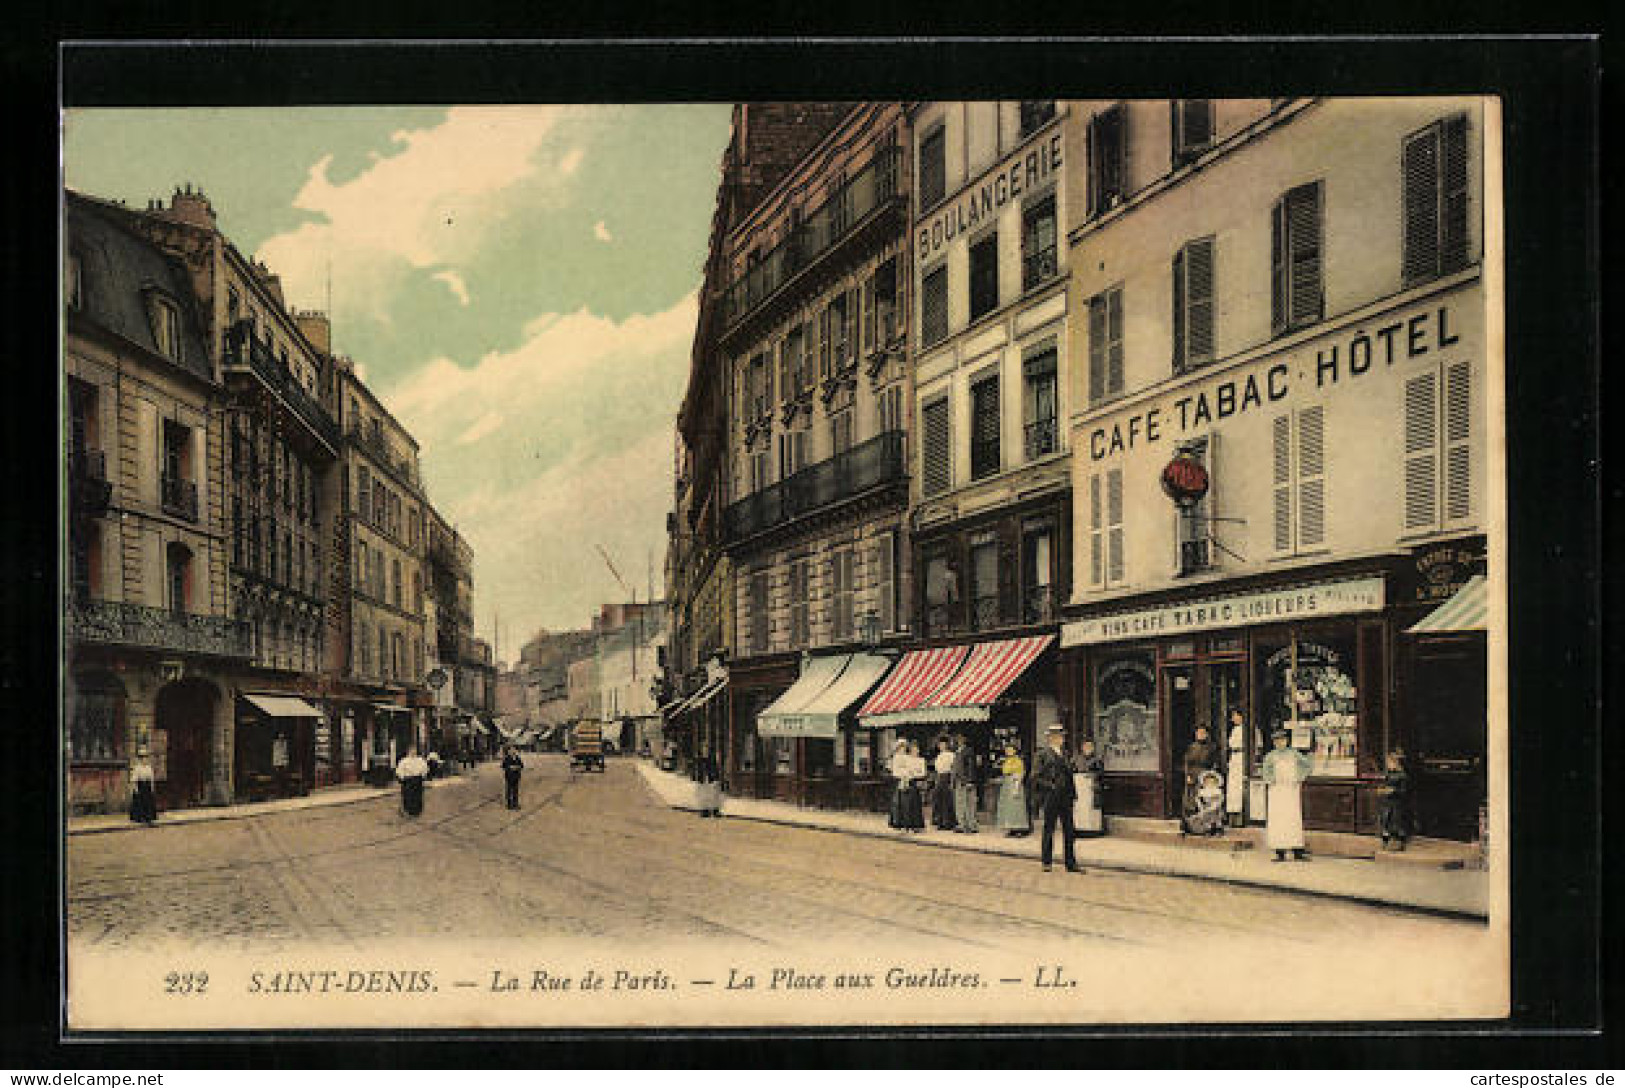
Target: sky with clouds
(517, 284)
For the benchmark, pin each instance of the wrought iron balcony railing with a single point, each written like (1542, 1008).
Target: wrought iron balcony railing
(178, 497)
(1041, 435)
(1038, 267)
(866, 466)
(374, 442)
(89, 488)
(864, 193)
(985, 612)
(244, 350)
(117, 623)
(1038, 604)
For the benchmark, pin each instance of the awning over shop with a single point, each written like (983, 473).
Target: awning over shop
(788, 715)
(701, 697)
(282, 706)
(1465, 611)
(988, 672)
(919, 676)
(392, 708)
(862, 673)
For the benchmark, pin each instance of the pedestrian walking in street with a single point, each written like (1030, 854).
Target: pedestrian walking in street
(709, 779)
(942, 792)
(1283, 773)
(963, 770)
(1055, 793)
(1011, 813)
(143, 801)
(1087, 816)
(1235, 777)
(512, 767)
(411, 772)
(1394, 803)
(1200, 756)
(435, 766)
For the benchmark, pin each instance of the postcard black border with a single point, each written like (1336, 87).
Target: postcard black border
(1550, 89)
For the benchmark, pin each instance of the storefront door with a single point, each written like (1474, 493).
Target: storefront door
(1448, 737)
(1198, 695)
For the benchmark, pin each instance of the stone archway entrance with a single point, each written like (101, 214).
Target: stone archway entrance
(183, 735)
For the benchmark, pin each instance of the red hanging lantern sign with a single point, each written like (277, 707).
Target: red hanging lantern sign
(1184, 479)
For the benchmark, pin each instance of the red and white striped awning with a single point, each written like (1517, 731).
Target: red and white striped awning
(920, 675)
(989, 670)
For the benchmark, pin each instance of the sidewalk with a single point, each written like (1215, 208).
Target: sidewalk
(1463, 893)
(325, 797)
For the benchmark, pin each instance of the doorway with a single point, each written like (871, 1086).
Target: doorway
(1198, 694)
(184, 717)
(1448, 736)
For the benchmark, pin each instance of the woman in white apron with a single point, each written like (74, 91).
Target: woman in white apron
(1283, 772)
(1086, 814)
(1235, 775)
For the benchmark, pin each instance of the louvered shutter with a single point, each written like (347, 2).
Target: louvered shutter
(1311, 477)
(1457, 448)
(1420, 169)
(1114, 337)
(1278, 282)
(1453, 186)
(1281, 479)
(985, 458)
(1199, 301)
(1114, 526)
(1097, 349)
(1096, 550)
(869, 313)
(809, 348)
(1421, 452)
(936, 473)
(826, 336)
(786, 370)
(1180, 360)
(1303, 225)
(885, 582)
(1192, 127)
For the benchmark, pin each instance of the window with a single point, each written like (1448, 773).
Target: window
(86, 544)
(166, 327)
(239, 532)
(1194, 533)
(84, 429)
(936, 450)
(843, 325)
(397, 661)
(984, 583)
(984, 275)
(984, 435)
(361, 564)
(1107, 143)
(178, 561)
(890, 408)
(1106, 559)
(364, 649)
(383, 654)
(760, 396)
(758, 613)
(810, 347)
(840, 431)
(98, 717)
(792, 452)
(789, 355)
(73, 285)
(1438, 450)
(1125, 709)
(880, 306)
(1308, 686)
(841, 592)
(1038, 403)
(363, 491)
(1434, 168)
(1038, 250)
(287, 559)
(417, 592)
(1296, 294)
(1035, 115)
(177, 491)
(934, 306)
(1193, 305)
(1191, 123)
(933, 166)
(1298, 479)
(885, 581)
(800, 629)
(1037, 565)
(395, 582)
(1106, 345)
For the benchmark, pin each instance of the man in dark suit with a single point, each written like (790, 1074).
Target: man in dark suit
(964, 779)
(1055, 792)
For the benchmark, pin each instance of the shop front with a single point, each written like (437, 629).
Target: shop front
(276, 746)
(840, 768)
(1308, 657)
(766, 767)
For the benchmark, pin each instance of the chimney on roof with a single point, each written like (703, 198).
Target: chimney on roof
(192, 207)
(317, 329)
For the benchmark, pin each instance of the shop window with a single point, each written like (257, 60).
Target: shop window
(1434, 174)
(1039, 252)
(96, 730)
(984, 275)
(934, 306)
(1307, 685)
(1191, 124)
(783, 755)
(1041, 436)
(1106, 559)
(1438, 449)
(1107, 148)
(1298, 479)
(936, 448)
(1125, 711)
(933, 166)
(984, 441)
(1106, 345)
(1193, 289)
(863, 753)
(1296, 293)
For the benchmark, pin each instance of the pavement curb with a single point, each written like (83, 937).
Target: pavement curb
(1112, 865)
(237, 812)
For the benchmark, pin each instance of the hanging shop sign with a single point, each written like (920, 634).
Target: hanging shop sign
(1184, 479)
(1272, 606)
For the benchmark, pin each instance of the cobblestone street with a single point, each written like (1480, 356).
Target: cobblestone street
(598, 857)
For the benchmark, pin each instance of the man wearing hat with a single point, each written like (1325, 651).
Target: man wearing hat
(1054, 792)
(1283, 773)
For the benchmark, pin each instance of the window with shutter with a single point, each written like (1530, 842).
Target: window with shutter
(934, 306)
(1193, 305)
(758, 613)
(1192, 128)
(1311, 477)
(841, 620)
(1106, 345)
(1457, 449)
(1038, 245)
(1281, 480)
(936, 471)
(1107, 149)
(1115, 558)
(1433, 164)
(1097, 528)
(1295, 259)
(933, 166)
(1421, 452)
(984, 275)
(1038, 408)
(984, 449)
(800, 635)
(1438, 447)
(885, 580)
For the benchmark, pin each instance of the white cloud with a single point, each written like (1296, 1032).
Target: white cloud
(454, 283)
(483, 426)
(601, 232)
(572, 161)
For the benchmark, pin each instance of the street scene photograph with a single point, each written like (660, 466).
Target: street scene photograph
(779, 563)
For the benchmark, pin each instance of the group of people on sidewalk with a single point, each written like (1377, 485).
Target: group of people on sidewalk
(413, 770)
(1050, 794)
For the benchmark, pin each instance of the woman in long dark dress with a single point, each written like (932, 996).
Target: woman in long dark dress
(143, 801)
(913, 806)
(898, 766)
(942, 795)
(412, 771)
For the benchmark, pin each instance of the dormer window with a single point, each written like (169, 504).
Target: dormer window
(166, 325)
(73, 287)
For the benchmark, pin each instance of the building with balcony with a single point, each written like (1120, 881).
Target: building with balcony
(1281, 447)
(813, 333)
(378, 634)
(449, 631)
(152, 644)
(990, 483)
